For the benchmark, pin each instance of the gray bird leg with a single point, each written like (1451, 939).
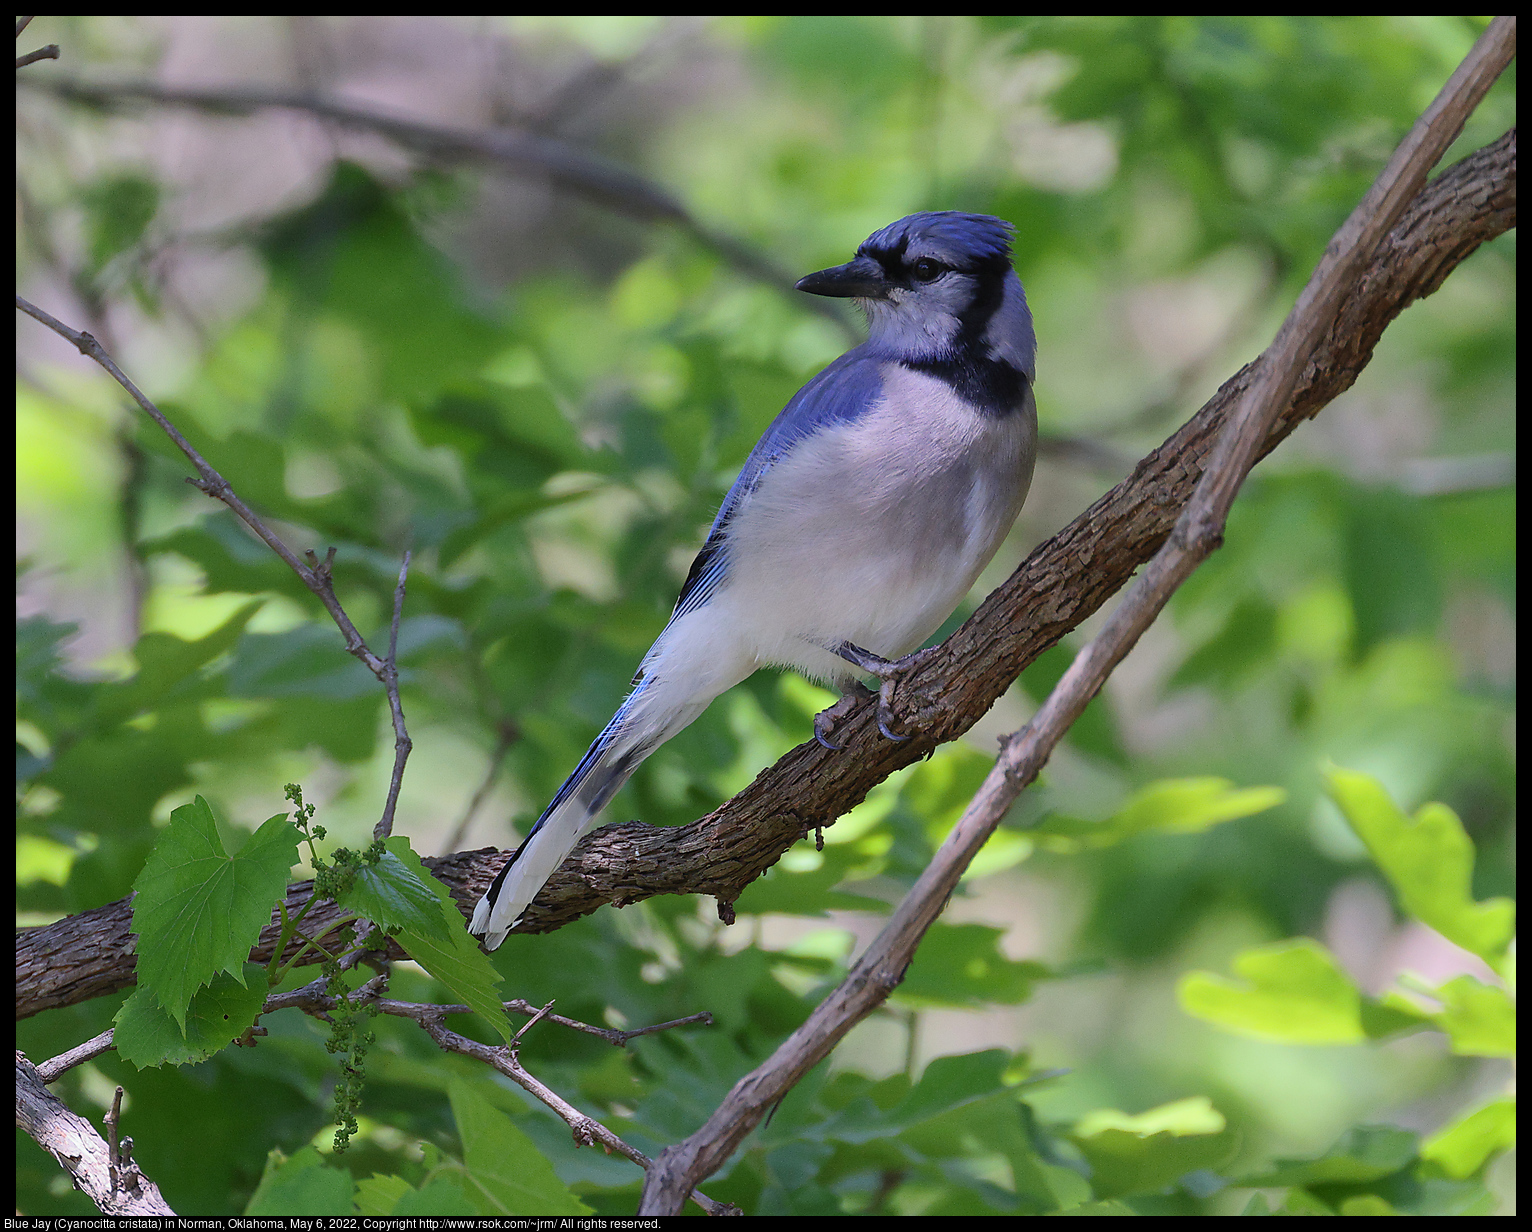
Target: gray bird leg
(887, 671)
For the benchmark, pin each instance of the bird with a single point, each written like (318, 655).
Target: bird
(859, 521)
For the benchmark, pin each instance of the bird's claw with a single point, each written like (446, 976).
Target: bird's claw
(826, 720)
(888, 672)
(886, 707)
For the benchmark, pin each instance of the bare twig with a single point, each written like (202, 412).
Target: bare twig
(587, 1130)
(515, 1044)
(1198, 531)
(80, 1150)
(402, 743)
(119, 1151)
(316, 575)
(314, 998)
(55, 1068)
(50, 52)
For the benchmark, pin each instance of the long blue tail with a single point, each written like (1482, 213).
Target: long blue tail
(606, 766)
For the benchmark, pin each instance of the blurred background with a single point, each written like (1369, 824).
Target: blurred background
(519, 298)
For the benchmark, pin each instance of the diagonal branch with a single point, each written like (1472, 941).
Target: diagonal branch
(115, 1185)
(1058, 586)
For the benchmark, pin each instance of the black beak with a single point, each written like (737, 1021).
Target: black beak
(859, 279)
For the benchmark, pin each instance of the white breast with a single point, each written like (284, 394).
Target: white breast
(872, 532)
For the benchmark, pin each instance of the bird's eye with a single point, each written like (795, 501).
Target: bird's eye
(927, 270)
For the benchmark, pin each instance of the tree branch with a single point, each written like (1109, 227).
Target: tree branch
(1059, 585)
(115, 1185)
(314, 999)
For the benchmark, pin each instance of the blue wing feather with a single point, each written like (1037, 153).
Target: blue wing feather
(842, 393)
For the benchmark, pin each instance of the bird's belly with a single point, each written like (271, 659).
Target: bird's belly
(873, 537)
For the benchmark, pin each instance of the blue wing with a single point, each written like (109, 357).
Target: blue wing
(842, 393)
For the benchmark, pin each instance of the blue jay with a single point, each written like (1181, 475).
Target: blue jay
(860, 520)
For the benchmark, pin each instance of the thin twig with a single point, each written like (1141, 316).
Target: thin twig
(50, 52)
(314, 998)
(110, 1120)
(1198, 532)
(402, 742)
(610, 1034)
(587, 1130)
(316, 577)
(536, 1018)
(54, 1069)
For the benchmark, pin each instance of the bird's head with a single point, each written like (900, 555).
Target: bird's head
(933, 282)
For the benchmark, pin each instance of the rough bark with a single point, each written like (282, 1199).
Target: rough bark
(116, 1186)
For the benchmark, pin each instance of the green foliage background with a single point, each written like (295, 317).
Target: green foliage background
(545, 399)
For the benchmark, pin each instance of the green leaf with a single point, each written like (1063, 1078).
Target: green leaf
(165, 661)
(812, 892)
(1193, 1115)
(1391, 574)
(389, 895)
(1463, 1148)
(1172, 806)
(961, 964)
(118, 210)
(947, 1083)
(305, 661)
(1480, 1019)
(377, 1194)
(1429, 862)
(302, 1185)
(1289, 990)
(198, 910)
(146, 1036)
(1364, 1153)
(506, 1173)
(353, 252)
(442, 1195)
(1144, 1153)
(1247, 640)
(456, 960)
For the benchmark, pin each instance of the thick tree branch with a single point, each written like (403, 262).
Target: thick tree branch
(1060, 584)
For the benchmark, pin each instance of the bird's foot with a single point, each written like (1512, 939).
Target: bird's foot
(888, 672)
(825, 721)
